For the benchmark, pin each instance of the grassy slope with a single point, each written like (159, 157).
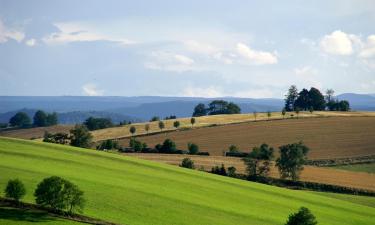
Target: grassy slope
(368, 168)
(133, 191)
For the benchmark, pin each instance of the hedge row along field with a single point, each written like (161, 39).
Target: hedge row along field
(134, 191)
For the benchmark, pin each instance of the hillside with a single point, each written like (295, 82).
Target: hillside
(132, 191)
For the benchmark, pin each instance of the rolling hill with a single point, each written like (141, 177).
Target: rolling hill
(133, 191)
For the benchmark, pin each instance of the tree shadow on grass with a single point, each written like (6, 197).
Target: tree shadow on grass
(29, 215)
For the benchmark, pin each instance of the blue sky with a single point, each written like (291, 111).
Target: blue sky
(186, 48)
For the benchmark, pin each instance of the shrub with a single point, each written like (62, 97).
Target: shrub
(233, 149)
(193, 148)
(302, 217)
(15, 189)
(132, 130)
(291, 160)
(187, 163)
(168, 146)
(80, 137)
(58, 138)
(154, 118)
(176, 124)
(232, 171)
(97, 123)
(137, 145)
(108, 144)
(219, 170)
(59, 194)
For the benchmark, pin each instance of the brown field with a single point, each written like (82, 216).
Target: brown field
(35, 133)
(330, 137)
(310, 173)
(204, 121)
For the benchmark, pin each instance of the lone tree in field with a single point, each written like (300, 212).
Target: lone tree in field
(187, 163)
(193, 148)
(21, 119)
(283, 112)
(269, 115)
(302, 217)
(192, 121)
(255, 113)
(132, 130)
(161, 125)
(80, 137)
(59, 194)
(15, 189)
(200, 110)
(176, 124)
(259, 161)
(147, 127)
(291, 160)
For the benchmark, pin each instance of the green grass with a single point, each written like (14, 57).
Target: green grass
(362, 200)
(133, 191)
(368, 167)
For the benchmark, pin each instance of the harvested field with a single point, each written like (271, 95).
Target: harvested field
(313, 174)
(35, 133)
(204, 121)
(332, 137)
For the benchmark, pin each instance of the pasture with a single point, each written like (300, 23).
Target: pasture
(133, 191)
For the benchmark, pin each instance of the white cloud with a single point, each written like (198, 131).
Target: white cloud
(71, 32)
(7, 33)
(338, 43)
(31, 42)
(161, 60)
(256, 57)
(368, 49)
(91, 90)
(199, 47)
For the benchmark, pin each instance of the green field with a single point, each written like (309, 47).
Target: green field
(367, 167)
(133, 191)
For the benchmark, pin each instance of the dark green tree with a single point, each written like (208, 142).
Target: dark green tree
(52, 119)
(290, 98)
(80, 137)
(303, 102)
(291, 160)
(200, 110)
(132, 130)
(192, 121)
(317, 99)
(168, 146)
(344, 105)
(97, 123)
(108, 145)
(176, 124)
(232, 171)
(259, 160)
(283, 112)
(193, 148)
(233, 109)
(40, 119)
(15, 189)
(269, 115)
(161, 125)
(302, 217)
(233, 149)
(187, 163)
(255, 113)
(20, 119)
(154, 118)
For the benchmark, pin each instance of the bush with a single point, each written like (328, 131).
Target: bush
(59, 194)
(58, 138)
(233, 149)
(138, 146)
(232, 171)
(193, 148)
(187, 163)
(15, 189)
(168, 146)
(108, 145)
(154, 118)
(80, 137)
(97, 123)
(219, 170)
(302, 217)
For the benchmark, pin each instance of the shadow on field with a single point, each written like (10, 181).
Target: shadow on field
(9, 213)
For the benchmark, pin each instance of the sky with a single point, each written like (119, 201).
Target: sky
(215, 48)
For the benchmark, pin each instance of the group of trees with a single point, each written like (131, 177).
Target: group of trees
(313, 99)
(79, 136)
(40, 119)
(53, 192)
(216, 107)
(93, 123)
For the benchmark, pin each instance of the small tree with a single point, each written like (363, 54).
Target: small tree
(269, 115)
(259, 161)
(147, 127)
(192, 121)
(154, 118)
(255, 113)
(161, 125)
(233, 149)
(298, 110)
(187, 163)
(193, 148)
(15, 189)
(132, 130)
(80, 137)
(291, 160)
(232, 171)
(176, 124)
(168, 146)
(283, 112)
(302, 217)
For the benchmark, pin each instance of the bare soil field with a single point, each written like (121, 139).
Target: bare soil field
(360, 180)
(331, 137)
(35, 133)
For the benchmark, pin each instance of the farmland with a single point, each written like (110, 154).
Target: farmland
(353, 179)
(365, 167)
(133, 191)
(36, 132)
(328, 137)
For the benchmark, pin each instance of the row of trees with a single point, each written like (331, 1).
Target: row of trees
(161, 125)
(52, 192)
(216, 107)
(40, 119)
(313, 99)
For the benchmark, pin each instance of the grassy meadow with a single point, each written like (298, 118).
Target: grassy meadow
(127, 190)
(365, 167)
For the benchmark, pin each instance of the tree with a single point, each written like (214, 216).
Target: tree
(344, 105)
(176, 124)
(161, 125)
(255, 113)
(80, 136)
(58, 138)
(233, 108)
(317, 99)
(219, 170)
(329, 95)
(259, 155)
(200, 110)
(168, 146)
(290, 98)
(233, 149)
(291, 160)
(192, 121)
(132, 130)
(107, 145)
(223, 107)
(302, 217)
(20, 119)
(311, 110)
(97, 123)
(40, 119)
(15, 189)
(232, 171)
(269, 115)
(154, 118)
(283, 112)
(303, 101)
(297, 109)
(187, 163)
(59, 194)
(147, 127)
(52, 119)
(137, 145)
(193, 148)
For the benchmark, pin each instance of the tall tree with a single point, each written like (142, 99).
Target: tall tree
(317, 99)
(52, 119)
(303, 101)
(200, 110)
(259, 161)
(40, 119)
(291, 160)
(21, 119)
(329, 95)
(290, 98)
(192, 121)
(161, 125)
